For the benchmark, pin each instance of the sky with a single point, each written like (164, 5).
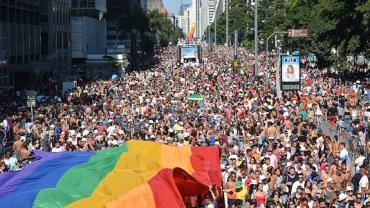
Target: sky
(173, 6)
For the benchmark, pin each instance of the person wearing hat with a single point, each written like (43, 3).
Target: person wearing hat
(341, 201)
(350, 196)
(330, 191)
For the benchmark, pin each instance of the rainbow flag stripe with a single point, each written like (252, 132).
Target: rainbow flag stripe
(137, 174)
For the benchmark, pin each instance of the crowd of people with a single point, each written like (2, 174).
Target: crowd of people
(304, 149)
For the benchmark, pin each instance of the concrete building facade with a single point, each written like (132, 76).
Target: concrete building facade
(55, 22)
(184, 18)
(20, 43)
(202, 13)
(154, 4)
(35, 38)
(89, 29)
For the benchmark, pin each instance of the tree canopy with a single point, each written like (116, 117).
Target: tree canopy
(340, 24)
(151, 26)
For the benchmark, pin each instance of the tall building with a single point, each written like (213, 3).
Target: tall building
(89, 29)
(202, 13)
(154, 4)
(197, 15)
(55, 22)
(19, 42)
(118, 42)
(211, 10)
(184, 18)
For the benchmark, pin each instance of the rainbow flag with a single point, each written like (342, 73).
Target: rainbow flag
(136, 174)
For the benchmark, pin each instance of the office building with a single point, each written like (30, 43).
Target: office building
(55, 22)
(154, 4)
(117, 41)
(184, 18)
(19, 42)
(89, 29)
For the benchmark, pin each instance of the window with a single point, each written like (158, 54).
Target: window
(43, 18)
(12, 59)
(65, 39)
(44, 43)
(74, 3)
(83, 3)
(91, 4)
(3, 14)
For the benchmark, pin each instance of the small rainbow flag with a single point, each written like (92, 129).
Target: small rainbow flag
(136, 174)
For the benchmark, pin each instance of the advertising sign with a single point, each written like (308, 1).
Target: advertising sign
(298, 33)
(190, 53)
(290, 73)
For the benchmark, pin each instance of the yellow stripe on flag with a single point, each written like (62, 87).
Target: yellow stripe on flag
(134, 168)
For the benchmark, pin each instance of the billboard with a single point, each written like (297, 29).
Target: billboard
(190, 53)
(298, 33)
(290, 73)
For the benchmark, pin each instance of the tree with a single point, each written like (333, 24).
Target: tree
(339, 24)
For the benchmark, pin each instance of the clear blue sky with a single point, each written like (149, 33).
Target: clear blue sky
(174, 5)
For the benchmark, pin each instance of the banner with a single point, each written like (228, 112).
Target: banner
(290, 72)
(190, 53)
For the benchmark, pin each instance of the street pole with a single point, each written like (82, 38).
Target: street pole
(227, 22)
(267, 54)
(209, 38)
(215, 30)
(235, 43)
(255, 38)
(278, 87)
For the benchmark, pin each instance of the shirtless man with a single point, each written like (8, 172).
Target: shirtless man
(271, 130)
(340, 180)
(17, 145)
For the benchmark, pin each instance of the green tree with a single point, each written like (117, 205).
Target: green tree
(340, 24)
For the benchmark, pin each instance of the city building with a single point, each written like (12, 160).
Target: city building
(117, 42)
(55, 22)
(184, 15)
(197, 16)
(89, 29)
(211, 10)
(172, 18)
(20, 43)
(154, 4)
(219, 9)
(202, 13)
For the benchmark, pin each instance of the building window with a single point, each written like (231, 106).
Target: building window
(91, 4)
(74, 3)
(65, 39)
(26, 59)
(12, 59)
(44, 43)
(19, 59)
(43, 18)
(3, 14)
(83, 3)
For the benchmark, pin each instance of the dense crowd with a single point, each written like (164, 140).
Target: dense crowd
(304, 149)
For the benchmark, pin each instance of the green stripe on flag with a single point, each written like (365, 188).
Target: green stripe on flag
(80, 181)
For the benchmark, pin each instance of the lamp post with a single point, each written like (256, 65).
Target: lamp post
(227, 22)
(267, 52)
(256, 38)
(215, 31)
